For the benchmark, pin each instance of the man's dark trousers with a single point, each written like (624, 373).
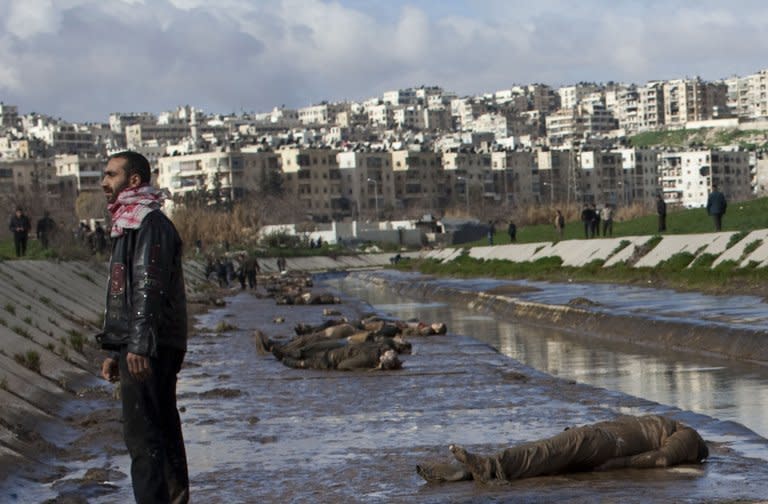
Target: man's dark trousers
(20, 241)
(152, 430)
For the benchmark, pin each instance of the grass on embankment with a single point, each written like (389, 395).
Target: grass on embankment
(673, 273)
(741, 216)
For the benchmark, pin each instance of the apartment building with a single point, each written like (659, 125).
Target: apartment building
(419, 181)
(238, 174)
(640, 180)
(748, 96)
(86, 171)
(584, 119)
(686, 178)
(515, 177)
(466, 110)
(137, 135)
(312, 177)
(400, 97)
(409, 117)
(64, 138)
(687, 100)
(600, 178)
(9, 115)
(556, 173)
(325, 113)
(368, 180)
(571, 96)
(651, 109)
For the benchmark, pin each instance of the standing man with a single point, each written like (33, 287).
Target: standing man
(716, 206)
(661, 210)
(20, 227)
(145, 328)
(45, 227)
(512, 231)
(606, 215)
(588, 217)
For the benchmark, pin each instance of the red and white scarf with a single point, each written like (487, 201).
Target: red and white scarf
(131, 206)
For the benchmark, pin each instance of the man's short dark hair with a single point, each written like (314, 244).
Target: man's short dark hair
(134, 163)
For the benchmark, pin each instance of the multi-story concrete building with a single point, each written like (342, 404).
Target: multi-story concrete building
(324, 113)
(409, 117)
(86, 171)
(237, 174)
(556, 173)
(9, 115)
(584, 119)
(368, 180)
(137, 135)
(419, 181)
(748, 96)
(599, 178)
(650, 110)
(571, 96)
(515, 177)
(687, 100)
(312, 177)
(686, 178)
(400, 97)
(64, 138)
(640, 179)
(118, 121)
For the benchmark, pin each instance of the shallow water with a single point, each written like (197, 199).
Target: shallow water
(724, 389)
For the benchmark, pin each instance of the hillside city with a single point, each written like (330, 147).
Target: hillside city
(411, 152)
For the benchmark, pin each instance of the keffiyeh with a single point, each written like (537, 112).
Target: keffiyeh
(131, 206)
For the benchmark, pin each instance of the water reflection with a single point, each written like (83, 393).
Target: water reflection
(723, 389)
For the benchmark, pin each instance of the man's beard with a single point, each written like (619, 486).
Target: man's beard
(112, 196)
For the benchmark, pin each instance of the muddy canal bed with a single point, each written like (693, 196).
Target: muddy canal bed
(259, 431)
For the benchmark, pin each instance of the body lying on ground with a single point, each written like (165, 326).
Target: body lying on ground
(378, 325)
(339, 347)
(627, 442)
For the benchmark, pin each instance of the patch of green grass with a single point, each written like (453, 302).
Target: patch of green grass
(10, 308)
(76, 340)
(751, 247)
(46, 301)
(21, 332)
(30, 360)
(736, 238)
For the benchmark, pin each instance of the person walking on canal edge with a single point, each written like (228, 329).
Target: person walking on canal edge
(20, 227)
(661, 210)
(716, 206)
(145, 329)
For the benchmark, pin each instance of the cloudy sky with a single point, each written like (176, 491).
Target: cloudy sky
(82, 59)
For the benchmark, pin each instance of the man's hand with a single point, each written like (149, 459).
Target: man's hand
(110, 370)
(138, 366)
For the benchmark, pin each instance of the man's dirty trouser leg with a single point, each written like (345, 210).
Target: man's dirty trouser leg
(152, 431)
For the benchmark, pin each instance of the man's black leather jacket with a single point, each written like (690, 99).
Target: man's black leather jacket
(146, 303)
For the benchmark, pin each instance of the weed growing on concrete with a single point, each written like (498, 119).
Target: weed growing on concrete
(27, 320)
(87, 277)
(30, 360)
(21, 332)
(63, 352)
(704, 261)
(51, 347)
(28, 307)
(10, 308)
(46, 301)
(4, 383)
(736, 238)
(76, 340)
(751, 247)
(3, 322)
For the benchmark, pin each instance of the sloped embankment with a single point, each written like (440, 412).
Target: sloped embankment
(710, 339)
(49, 315)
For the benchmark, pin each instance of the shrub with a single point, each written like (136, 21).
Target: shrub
(21, 332)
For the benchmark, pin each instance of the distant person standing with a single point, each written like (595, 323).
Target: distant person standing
(45, 228)
(716, 206)
(20, 228)
(491, 232)
(559, 224)
(661, 210)
(145, 328)
(606, 215)
(595, 220)
(588, 218)
(99, 239)
(512, 231)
